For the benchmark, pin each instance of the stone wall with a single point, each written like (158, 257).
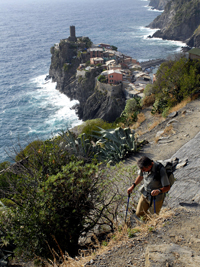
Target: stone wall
(112, 90)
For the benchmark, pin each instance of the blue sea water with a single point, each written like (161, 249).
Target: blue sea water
(32, 109)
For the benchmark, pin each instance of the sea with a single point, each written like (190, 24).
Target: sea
(30, 108)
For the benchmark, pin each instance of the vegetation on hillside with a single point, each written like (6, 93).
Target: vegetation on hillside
(61, 190)
(175, 80)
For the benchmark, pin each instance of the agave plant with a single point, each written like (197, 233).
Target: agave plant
(80, 146)
(114, 145)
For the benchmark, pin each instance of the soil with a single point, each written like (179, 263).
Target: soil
(183, 227)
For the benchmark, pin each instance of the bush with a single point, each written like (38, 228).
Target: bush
(102, 79)
(60, 209)
(90, 127)
(148, 100)
(175, 80)
(46, 157)
(132, 105)
(149, 90)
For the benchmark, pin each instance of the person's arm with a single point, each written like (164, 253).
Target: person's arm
(165, 183)
(137, 181)
(160, 190)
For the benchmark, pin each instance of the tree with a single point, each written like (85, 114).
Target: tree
(102, 79)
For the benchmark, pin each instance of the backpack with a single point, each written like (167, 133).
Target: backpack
(170, 167)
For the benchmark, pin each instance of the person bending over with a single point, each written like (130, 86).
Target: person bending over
(156, 184)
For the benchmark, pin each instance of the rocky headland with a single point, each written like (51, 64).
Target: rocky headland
(158, 4)
(180, 21)
(78, 80)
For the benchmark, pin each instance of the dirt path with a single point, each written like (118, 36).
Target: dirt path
(181, 230)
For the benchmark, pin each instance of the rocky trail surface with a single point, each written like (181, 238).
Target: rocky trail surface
(177, 241)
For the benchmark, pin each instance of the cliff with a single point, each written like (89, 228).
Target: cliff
(158, 4)
(82, 85)
(179, 21)
(194, 41)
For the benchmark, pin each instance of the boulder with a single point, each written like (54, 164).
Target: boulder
(170, 255)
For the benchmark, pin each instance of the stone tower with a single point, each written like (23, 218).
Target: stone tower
(72, 36)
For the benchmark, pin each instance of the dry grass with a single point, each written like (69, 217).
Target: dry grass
(148, 101)
(155, 123)
(181, 105)
(168, 130)
(117, 239)
(140, 118)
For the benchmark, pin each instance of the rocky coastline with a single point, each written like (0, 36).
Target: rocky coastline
(179, 21)
(68, 57)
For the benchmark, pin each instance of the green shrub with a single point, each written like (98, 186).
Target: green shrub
(90, 127)
(176, 80)
(102, 79)
(63, 207)
(46, 157)
(132, 105)
(148, 90)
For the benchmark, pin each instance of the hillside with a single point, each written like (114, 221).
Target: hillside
(173, 237)
(179, 21)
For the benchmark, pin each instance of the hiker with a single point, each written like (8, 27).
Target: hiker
(156, 184)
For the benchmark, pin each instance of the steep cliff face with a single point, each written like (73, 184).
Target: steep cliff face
(179, 20)
(194, 41)
(93, 102)
(158, 4)
(104, 106)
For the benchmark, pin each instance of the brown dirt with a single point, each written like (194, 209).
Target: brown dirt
(181, 229)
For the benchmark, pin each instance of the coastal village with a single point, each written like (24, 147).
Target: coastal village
(117, 68)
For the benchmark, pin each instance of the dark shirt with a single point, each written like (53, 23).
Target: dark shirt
(151, 184)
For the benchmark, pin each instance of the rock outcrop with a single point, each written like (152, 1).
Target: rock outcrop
(179, 21)
(169, 255)
(94, 101)
(158, 4)
(194, 41)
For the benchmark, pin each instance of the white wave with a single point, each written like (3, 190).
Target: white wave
(47, 98)
(150, 8)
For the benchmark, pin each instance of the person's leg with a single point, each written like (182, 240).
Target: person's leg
(142, 207)
(158, 207)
